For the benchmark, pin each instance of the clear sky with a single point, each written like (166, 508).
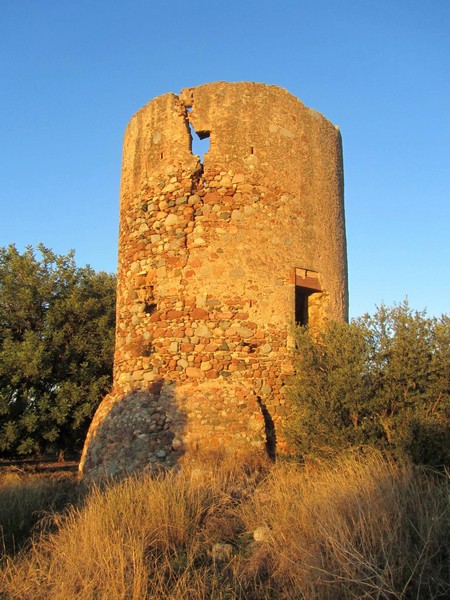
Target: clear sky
(72, 73)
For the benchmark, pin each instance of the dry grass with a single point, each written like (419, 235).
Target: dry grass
(26, 499)
(352, 529)
(349, 529)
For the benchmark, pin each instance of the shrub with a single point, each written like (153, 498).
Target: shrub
(381, 380)
(56, 349)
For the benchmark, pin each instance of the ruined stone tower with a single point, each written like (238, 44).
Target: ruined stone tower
(217, 260)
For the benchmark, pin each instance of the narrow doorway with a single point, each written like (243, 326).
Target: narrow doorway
(306, 284)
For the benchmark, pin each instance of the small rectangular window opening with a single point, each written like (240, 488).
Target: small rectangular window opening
(306, 283)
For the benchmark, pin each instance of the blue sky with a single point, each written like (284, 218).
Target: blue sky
(72, 73)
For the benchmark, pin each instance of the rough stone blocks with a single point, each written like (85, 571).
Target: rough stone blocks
(218, 258)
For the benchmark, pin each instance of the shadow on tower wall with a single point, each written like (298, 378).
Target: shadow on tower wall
(142, 430)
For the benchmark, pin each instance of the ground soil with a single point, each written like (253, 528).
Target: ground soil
(46, 466)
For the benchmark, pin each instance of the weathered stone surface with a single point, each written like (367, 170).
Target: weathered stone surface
(262, 534)
(199, 313)
(194, 372)
(210, 258)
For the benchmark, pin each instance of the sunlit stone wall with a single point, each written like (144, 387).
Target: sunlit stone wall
(215, 258)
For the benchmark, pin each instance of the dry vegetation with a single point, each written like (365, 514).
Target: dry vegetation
(353, 528)
(28, 499)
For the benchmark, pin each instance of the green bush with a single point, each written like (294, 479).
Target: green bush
(56, 349)
(381, 380)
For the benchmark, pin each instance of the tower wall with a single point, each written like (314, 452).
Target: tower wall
(215, 258)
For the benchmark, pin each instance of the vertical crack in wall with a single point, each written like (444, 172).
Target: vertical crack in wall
(199, 140)
(269, 430)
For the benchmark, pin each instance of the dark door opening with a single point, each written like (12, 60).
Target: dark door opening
(306, 284)
(301, 305)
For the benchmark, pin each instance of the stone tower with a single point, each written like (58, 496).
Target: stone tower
(217, 260)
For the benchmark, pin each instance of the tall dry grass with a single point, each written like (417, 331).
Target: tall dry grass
(26, 499)
(352, 528)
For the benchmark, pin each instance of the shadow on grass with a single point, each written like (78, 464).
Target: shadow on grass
(28, 502)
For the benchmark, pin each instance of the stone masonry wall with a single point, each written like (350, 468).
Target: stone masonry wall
(209, 257)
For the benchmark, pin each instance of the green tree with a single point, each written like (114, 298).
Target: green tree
(382, 380)
(56, 349)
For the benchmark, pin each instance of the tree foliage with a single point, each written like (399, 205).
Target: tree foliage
(56, 349)
(381, 380)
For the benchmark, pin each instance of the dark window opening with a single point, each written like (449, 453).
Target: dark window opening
(161, 155)
(306, 283)
(251, 149)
